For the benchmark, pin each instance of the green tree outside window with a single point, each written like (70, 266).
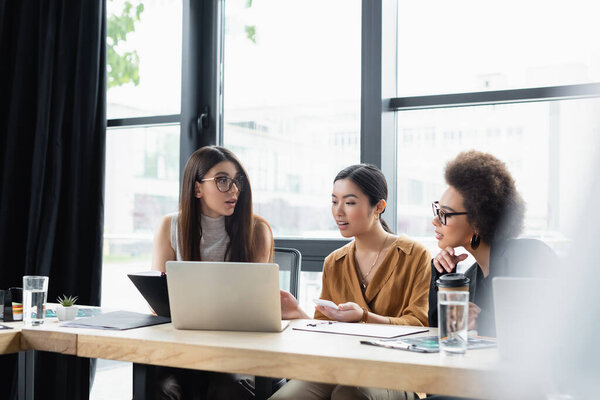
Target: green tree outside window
(122, 66)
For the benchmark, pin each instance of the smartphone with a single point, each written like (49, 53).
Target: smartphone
(325, 303)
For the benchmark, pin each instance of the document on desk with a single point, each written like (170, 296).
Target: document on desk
(117, 320)
(355, 329)
(429, 344)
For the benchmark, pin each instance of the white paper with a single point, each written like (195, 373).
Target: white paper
(358, 329)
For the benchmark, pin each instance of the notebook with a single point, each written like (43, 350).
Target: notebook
(153, 286)
(228, 296)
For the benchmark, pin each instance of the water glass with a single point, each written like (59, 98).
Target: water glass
(35, 292)
(453, 314)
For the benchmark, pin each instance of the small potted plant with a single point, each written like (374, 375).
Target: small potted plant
(66, 310)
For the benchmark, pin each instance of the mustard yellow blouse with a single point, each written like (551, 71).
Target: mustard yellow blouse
(399, 288)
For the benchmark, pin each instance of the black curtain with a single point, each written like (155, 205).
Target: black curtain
(52, 144)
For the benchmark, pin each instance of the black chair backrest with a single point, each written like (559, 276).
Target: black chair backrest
(289, 261)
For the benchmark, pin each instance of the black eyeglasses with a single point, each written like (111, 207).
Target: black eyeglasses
(224, 183)
(441, 214)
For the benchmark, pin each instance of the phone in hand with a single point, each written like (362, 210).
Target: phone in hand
(325, 303)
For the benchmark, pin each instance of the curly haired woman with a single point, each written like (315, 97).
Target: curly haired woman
(482, 211)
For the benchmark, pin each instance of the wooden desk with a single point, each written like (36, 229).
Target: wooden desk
(293, 354)
(10, 338)
(50, 337)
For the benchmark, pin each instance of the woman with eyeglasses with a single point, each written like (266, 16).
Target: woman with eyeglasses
(482, 212)
(215, 222)
(378, 277)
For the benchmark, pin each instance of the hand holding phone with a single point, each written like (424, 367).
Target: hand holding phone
(325, 303)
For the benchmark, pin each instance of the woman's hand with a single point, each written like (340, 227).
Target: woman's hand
(346, 312)
(290, 309)
(474, 311)
(446, 260)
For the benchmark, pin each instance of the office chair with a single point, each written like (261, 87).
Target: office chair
(289, 261)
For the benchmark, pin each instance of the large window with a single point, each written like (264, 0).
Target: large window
(504, 80)
(142, 154)
(142, 158)
(547, 147)
(292, 110)
(470, 45)
(292, 105)
(142, 185)
(144, 58)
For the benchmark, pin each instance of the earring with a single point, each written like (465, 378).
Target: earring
(475, 240)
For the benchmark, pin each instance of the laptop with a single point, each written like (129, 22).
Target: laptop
(227, 296)
(152, 285)
(521, 306)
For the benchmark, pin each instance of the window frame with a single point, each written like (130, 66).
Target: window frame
(377, 22)
(201, 93)
(153, 120)
(495, 97)
(202, 83)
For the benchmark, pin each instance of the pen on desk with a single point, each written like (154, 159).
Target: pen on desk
(396, 345)
(402, 346)
(320, 323)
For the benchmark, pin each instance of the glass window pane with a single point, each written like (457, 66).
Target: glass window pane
(143, 58)
(310, 288)
(471, 45)
(292, 105)
(142, 185)
(548, 148)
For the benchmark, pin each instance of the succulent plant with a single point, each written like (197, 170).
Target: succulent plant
(66, 301)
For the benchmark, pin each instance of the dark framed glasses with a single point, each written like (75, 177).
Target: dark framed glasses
(224, 183)
(441, 214)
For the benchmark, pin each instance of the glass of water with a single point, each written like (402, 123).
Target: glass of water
(35, 292)
(453, 316)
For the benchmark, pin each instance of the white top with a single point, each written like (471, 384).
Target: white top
(214, 240)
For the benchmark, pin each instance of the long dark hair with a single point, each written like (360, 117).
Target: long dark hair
(370, 181)
(239, 225)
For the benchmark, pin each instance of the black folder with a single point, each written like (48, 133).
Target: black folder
(153, 286)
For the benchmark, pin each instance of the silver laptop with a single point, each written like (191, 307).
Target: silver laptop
(224, 296)
(520, 307)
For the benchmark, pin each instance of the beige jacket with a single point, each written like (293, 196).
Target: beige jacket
(399, 288)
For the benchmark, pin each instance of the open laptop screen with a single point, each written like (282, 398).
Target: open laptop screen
(224, 296)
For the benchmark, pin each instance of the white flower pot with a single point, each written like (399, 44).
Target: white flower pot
(66, 313)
